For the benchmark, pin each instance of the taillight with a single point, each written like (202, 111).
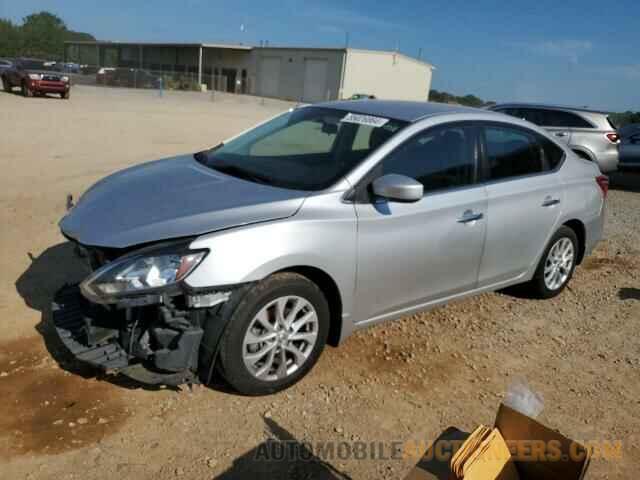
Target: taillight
(603, 183)
(612, 137)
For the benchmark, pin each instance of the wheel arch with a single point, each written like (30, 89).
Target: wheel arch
(578, 227)
(583, 152)
(330, 289)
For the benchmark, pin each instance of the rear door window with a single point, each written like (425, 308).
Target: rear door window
(558, 118)
(513, 152)
(533, 115)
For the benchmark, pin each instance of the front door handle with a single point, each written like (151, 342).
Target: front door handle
(550, 202)
(470, 216)
(560, 134)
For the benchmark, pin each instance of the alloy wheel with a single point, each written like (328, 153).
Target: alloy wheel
(280, 338)
(559, 263)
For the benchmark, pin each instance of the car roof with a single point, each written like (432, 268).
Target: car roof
(551, 107)
(397, 109)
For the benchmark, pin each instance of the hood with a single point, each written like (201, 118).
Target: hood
(46, 72)
(172, 198)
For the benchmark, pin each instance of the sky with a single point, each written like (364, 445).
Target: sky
(575, 52)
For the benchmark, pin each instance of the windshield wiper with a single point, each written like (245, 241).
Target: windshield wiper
(236, 171)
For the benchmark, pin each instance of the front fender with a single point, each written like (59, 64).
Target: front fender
(321, 235)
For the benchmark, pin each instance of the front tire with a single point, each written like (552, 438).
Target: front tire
(26, 91)
(275, 335)
(66, 95)
(557, 264)
(6, 85)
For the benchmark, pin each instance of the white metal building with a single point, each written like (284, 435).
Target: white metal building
(299, 74)
(312, 75)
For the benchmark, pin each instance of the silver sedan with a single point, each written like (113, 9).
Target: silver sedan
(246, 259)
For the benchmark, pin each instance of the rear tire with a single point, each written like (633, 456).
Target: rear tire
(293, 339)
(556, 266)
(6, 85)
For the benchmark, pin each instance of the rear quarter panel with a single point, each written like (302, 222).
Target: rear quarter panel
(594, 143)
(583, 198)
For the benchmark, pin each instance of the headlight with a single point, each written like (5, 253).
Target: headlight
(35, 76)
(64, 79)
(142, 273)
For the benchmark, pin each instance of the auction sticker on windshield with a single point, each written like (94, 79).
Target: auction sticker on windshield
(365, 120)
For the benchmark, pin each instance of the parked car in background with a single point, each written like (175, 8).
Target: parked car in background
(5, 64)
(630, 147)
(362, 96)
(70, 67)
(34, 78)
(89, 70)
(67, 67)
(104, 75)
(628, 130)
(130, 78)
(247, 258)
(591, 134)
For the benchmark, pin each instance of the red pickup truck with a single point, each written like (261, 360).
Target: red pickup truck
(33, 78)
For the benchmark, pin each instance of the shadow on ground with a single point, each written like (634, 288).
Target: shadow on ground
(625, 181)
(47, 273)
(439, 467)
(629, 294)
(281, 456)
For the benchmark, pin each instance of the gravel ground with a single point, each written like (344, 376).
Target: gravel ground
(407, 380)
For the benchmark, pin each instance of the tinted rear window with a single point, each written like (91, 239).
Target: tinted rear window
(549, 118)
(32, 65)
(566, 119)
(511, 152)
(514, 152)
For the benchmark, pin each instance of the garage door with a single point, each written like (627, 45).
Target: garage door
(270, 76)
(315, 80)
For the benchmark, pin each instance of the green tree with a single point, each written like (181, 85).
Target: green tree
(446, 97)
(10, 40)
(621, 119)
(41, 35)
(471, 101)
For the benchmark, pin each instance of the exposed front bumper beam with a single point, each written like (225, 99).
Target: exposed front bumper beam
(95, 336)
(70, 320)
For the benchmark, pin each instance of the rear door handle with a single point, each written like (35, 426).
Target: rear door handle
(550, 202)
(560, 134)
(470, 216)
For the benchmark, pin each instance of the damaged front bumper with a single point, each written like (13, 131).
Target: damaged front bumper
(154, 344)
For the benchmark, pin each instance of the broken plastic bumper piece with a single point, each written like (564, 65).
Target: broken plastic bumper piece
(155, 345)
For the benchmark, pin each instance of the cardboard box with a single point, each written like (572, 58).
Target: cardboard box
(539, 453)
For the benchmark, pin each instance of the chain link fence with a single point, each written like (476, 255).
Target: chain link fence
(161, 80)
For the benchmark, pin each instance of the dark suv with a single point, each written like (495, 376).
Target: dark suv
(34, 78)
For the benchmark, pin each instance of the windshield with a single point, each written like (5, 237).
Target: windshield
(309, 148)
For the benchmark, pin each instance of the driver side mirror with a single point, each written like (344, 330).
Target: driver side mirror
(398, 187)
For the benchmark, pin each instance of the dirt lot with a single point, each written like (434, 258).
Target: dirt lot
(403, 381)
